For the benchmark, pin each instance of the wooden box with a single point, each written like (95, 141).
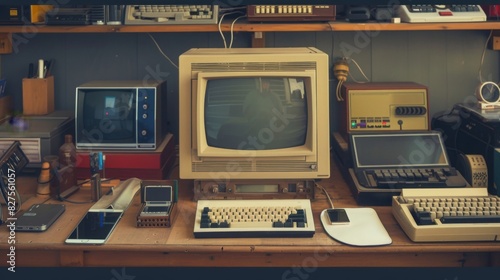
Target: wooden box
(5, 108)
(38, 96)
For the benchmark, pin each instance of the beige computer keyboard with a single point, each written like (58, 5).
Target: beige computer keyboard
(171, 14)
(464, 214)
(254, 218)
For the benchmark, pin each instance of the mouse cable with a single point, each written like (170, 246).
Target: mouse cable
(326, 194)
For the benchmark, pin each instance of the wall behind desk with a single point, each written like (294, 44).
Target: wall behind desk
(445, 61)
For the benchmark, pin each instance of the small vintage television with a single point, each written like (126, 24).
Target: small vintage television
(254, 113)
(125, 115)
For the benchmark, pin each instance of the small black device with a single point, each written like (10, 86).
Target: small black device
(157, 200)
(357, 14)
(12, 161)
(14, 15)
(39, 217)
(338, 216)
(69, 16)
(157, 197)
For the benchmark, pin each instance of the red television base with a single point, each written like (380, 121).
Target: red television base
(146, 165)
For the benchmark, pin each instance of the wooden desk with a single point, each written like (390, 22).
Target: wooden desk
(176, 246)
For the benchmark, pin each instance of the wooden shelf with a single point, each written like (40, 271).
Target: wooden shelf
(256, 27)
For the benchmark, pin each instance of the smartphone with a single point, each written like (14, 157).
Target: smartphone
(95, 227)
(338, 216)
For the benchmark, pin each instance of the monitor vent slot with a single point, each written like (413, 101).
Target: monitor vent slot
(261, 166)
(97, 14)
(254, 66)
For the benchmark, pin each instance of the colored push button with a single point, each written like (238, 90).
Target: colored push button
(445, 13)
(354, 124)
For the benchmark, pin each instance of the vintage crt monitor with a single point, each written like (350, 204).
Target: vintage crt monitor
(127, 115)
(383, 106)
(253, 114)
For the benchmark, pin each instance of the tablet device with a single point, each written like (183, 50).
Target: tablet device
(95, 227)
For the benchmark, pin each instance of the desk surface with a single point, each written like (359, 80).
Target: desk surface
(176, 246)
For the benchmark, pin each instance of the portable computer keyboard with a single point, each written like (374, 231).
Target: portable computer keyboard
(254, 218)
(441, 13)
(465, 214)
(171, 14)
(398, 178)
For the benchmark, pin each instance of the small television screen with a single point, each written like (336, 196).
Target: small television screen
(110, 111)
(256, 113)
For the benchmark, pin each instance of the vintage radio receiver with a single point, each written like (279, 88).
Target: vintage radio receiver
(250, 189)
(384, 106)
(291, 12)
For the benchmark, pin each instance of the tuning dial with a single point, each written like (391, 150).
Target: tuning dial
(144, 132)
(410, 110)
(145, 106)
(144, 116)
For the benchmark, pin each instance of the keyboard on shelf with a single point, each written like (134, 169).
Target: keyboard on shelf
(254, 218)
(171, 14)
(466, 214)
(440, 13)
(399, 178)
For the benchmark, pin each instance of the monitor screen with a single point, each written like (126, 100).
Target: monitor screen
(158, 193)
(399, 150)
(256, 113)
(110, 111)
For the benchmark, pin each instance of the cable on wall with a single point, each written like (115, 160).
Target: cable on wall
(341, 72)
(219, 26)
(164, 55)
(482, 57)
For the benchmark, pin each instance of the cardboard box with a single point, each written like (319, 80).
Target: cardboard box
(38, 96)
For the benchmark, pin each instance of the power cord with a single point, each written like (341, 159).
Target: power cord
(340, 71)
(231, 29)
(159, 49)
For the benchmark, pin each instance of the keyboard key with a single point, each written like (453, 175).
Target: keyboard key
(470, 219)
